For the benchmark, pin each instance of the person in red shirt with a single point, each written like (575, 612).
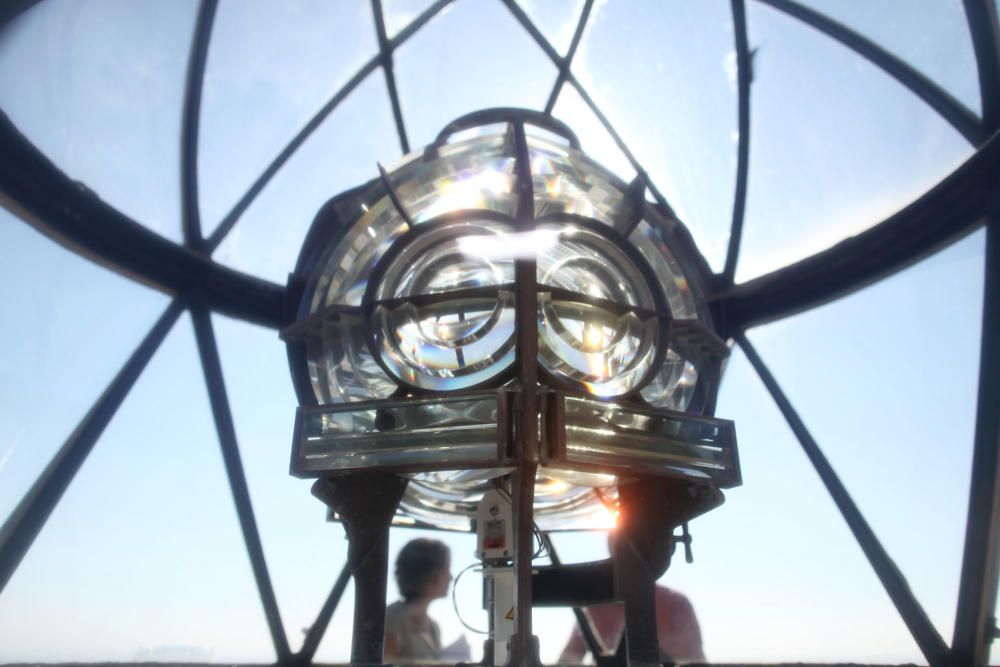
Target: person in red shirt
(677, 629)
(676, 626)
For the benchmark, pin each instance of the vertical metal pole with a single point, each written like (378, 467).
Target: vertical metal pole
(27, 519)
(974, 620)
(237, 480)
(920, 626)
(522, 649)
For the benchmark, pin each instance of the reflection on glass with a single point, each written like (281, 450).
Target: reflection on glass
(607, 352)
(669, 443)
(648, 239)
(566, 181)
(459, 430)
(587, 262)
(437, 261)
(341, 367)
(564, 499)
(673, 385)
(473, 174)
(449, 344)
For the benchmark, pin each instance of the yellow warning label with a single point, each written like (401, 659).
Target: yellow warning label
(510, 614)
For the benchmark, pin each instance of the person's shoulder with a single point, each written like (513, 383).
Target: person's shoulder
(394, 612)
(669, 597)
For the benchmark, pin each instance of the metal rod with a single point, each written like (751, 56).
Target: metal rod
(385, 54)
(41, 195)
(216, 385)
(985, 32)
(583, 619)
(744, 76)
(318, 629)
(550, 51)
(241, 206)
(653, 190)
(974, 620)
(950, 210)
(526, 433)
(533, 30)
(397, 203)
(949, 108)
(568, 60)
(26, 521)
(190, 214)
(920, 626)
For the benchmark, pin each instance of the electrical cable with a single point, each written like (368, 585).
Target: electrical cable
(454, 601)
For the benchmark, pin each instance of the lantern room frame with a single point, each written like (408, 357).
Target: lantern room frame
(34, 189)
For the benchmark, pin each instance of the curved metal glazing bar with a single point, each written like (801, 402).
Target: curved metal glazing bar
(568, 60)
(916, 619)
(974, 621)
(27, 519)
(951, 209)
(35, 190)
(744, 76)
(190, 209)
(960, 117)
(985, 30)
(241, 206)
(385, 54)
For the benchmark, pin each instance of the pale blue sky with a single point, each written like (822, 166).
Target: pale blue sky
(145, 551)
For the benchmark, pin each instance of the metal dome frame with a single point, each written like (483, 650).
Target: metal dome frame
(37, 191)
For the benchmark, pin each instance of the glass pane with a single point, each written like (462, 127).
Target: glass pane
(657, 441)
(594, 139)
(930, 35)
(303, 552)
(270, 68)
(556, 19)
(143, 560)
(342, 153)
(836, 145)
(448, 431)
(76, 324)
(886, 380)
(472, 57)
(98, 88)
(778, 554)
(670, 92)
(398, 14)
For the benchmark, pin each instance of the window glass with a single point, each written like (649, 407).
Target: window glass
(886, 381)
(473, 56)
(778, 555)
(556, 20)
(98, 88)
(304, 553)
(76, 324)
(595, 140)
(932, 36)
(836, 145)
(143, 559)
(398, 14)
(270, 68)
(670, 92)
(342, 153)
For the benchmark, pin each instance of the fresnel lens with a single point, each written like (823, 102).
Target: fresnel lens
(407, 317)
(417, 317)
